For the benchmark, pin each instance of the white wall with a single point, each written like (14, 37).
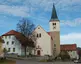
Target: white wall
(73, 54)
(57, 26)
(16, 44)
(44, 42)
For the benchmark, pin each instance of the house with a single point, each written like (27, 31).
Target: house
(71, 49)
(48, 43)
(13, 42)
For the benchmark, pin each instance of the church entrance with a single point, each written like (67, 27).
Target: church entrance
(38, 53)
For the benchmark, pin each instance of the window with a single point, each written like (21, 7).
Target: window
(40, 35)
(13, 49)
(8, 49)
(9, 36)
(7, 43)
(54, 45)
(37, 35)
(54, 49)
(12, 42)
(54, 23)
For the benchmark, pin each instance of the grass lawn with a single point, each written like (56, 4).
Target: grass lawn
(7, 62)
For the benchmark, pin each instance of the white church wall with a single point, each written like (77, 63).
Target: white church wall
(57, 27)
(44, 42)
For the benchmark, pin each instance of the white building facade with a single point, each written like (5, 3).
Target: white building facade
(71, 49)
(48, 44)
(43, 42)
(12, 45)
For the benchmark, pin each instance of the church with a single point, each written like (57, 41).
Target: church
(48, 43)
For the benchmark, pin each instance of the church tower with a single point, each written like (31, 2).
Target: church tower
(55, 32)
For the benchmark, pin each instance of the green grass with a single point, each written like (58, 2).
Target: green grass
(7, 62)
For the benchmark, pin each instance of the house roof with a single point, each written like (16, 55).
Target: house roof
(18, 35)
(68, 47)
(48, 33)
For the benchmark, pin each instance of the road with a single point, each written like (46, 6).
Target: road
(35, 62)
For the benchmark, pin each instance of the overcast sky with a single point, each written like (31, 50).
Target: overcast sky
(39, 11)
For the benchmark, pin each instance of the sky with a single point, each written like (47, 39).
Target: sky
(39, 12)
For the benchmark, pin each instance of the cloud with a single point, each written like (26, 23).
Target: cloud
(35, 5)
(71, 38)
(14, 10)
(71, 23)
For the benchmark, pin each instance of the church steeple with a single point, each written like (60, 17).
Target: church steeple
(54, 14)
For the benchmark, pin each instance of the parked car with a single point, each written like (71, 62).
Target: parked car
(77, 61)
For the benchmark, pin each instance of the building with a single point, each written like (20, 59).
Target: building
(71, 49)
(13, 42)
(48, 43)
(43, 42)
(55, 32)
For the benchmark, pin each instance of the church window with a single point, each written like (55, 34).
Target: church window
(54, 45)
(40, 35)
(54, 23)
(37, 35)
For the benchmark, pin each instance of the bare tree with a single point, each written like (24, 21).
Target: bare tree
(25, 26)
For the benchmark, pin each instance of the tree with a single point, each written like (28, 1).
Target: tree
(64, 55)
(25, 26)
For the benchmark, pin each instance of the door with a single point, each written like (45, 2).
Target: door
(38, 53)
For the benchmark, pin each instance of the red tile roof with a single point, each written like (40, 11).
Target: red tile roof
(68, 47)
(48, 33)
(11, 32)
(19, 36)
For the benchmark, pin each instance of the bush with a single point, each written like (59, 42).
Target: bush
(43, 60)
(64, 55)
